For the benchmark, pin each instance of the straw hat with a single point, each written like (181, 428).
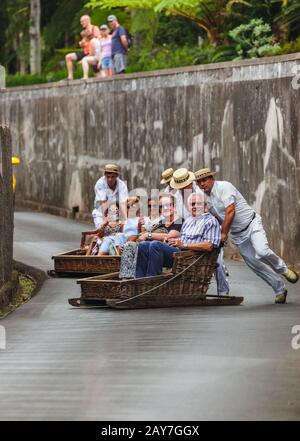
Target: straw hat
(167, 176)
(203, 173)
(182, 178)
(111, 168)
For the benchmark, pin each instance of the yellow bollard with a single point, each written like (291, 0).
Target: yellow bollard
(15, 161)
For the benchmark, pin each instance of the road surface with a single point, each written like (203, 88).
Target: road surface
(162, 364)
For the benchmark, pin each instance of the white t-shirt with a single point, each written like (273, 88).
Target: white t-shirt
(104, 193)
(224, 194)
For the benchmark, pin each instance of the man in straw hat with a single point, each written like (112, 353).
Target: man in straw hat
(166, 176)
(109, 188)
(247, 232)
(183, 184)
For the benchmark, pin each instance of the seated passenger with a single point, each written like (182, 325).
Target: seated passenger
(110, 227)
(153, 217)
(113, 243)
(166, 226)
(200, 232)
(166, 223)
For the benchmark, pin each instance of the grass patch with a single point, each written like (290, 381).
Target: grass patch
(26, 287)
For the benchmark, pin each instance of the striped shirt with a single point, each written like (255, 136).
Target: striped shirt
(204, 228)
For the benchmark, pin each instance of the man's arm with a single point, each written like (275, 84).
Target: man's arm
(201, 246)
(229, 217)
(124, 41)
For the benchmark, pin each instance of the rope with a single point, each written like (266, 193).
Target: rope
(164, 283)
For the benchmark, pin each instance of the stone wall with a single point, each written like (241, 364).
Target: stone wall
(241, 119)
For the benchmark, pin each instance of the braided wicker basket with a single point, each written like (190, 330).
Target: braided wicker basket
(189, 279)
(76, 262)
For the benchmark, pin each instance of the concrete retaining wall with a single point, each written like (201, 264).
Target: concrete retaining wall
(241, 119)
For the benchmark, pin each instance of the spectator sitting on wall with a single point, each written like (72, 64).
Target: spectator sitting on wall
(119, 45)
(94, 53)
(106, 61)
(85, 22)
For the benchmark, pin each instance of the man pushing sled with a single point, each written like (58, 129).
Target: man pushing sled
(247, 232)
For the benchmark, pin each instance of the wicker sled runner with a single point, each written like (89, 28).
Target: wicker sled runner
(186, 285)
(75, 262)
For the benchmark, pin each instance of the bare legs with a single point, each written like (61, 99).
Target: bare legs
(106, 73)
(86, 62)
(70, 59)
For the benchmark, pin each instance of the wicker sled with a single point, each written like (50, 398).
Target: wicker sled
(186, 285)
(75, 263)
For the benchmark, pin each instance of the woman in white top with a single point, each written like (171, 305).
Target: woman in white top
(106, 61)
(94, 54)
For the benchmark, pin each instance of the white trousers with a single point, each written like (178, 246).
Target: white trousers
(220, 274)
(257, 254)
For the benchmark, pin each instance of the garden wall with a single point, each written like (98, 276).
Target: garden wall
(242, 119)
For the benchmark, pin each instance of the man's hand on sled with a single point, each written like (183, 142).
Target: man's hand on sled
(175, 243)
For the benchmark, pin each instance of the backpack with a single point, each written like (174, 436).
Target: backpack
(129, 38)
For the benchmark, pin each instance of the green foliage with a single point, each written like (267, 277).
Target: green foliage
(49, 77)
(166, 32)
(253, 39)
(64, 23)
(289, 47)
(290, 15)
(176, 30)
(210, 15)
(161, 58)
(16, 44)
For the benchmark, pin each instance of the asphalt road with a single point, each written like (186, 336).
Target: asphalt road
(166, 364)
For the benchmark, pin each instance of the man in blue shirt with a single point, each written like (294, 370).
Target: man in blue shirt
(119, 45)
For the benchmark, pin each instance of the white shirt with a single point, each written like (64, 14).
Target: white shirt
(104, 193)
(181, 208)
(224, 194)
(169, 189)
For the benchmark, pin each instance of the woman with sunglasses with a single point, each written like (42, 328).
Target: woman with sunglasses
(169, 223)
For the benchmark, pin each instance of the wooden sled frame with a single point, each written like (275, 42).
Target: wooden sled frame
(76, 263)
(186, 285)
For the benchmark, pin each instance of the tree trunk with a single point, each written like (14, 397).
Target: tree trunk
(35, 37)
(6, 209)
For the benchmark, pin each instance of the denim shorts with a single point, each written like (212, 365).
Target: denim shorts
(106, 63)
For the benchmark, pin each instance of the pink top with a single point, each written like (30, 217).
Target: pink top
(105, 47)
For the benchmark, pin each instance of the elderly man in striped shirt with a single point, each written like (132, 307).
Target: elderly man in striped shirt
(200, 232)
